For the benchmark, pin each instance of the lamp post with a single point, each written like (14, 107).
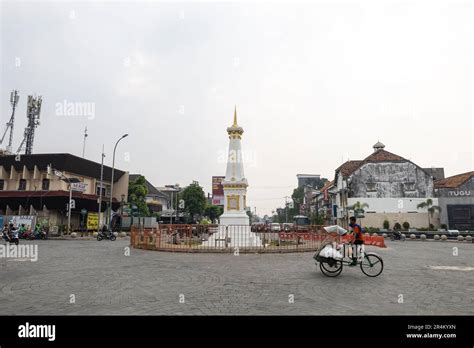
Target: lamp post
(112, 181)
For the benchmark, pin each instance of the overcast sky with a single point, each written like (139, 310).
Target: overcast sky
(314, 84)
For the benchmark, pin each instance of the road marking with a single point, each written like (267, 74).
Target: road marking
(453, 268)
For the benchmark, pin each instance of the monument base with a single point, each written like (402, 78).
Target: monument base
(233, 236)
(234, 219)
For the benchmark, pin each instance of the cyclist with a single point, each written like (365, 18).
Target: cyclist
(358, 239)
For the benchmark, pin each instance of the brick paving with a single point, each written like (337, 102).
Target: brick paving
(105, 281)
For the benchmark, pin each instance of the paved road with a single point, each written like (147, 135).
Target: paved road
(105, 281)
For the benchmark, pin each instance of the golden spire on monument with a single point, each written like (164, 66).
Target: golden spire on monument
(235, 129)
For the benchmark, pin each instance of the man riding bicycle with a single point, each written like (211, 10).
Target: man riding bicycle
(358, 239)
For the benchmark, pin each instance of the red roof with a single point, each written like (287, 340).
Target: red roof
(453, 181)
(347, 168)
(327, 185)
(350, 167)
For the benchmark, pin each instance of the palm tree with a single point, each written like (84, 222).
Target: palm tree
(357, 206)
(430, 207)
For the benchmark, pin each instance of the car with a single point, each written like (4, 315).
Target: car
(275, 227)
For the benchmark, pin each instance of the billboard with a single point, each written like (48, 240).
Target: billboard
(217, 190)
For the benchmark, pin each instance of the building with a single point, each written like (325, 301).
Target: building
(324, 203)
(389, 184)
(311, 180)
(156, 200)
(456, 200)
(171, 192)
(28, 188)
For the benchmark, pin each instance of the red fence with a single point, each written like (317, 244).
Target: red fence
(215, 238)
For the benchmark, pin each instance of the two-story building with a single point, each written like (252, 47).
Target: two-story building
(156, 200)
(390, 185)
(29, 188)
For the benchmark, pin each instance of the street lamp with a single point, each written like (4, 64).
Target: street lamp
(112, 181)
(70, 181)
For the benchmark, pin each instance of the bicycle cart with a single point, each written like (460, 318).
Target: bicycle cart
(332, 256)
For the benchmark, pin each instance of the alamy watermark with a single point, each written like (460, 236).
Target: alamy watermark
(68, 108)
(23, 252)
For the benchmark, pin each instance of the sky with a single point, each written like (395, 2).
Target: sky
(315, 84)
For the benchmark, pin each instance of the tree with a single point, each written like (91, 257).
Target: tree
(213, 212)
(428, 204)
(137, 191)
(358, 206)
(194, 200)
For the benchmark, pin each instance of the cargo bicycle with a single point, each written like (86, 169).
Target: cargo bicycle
(331, 260)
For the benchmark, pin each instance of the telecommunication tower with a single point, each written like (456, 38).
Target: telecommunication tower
(33, 114)
(14, 97)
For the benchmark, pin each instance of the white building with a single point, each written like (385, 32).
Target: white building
(390, 185)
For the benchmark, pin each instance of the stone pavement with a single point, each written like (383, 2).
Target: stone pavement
(105, 281)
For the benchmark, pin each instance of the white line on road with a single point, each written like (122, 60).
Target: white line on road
(453, 268)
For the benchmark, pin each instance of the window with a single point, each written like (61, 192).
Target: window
(2, 183)
(22, 185)
(105, 190)
(371, 187)
(45, 185)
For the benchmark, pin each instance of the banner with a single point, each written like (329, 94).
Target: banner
(92, 221)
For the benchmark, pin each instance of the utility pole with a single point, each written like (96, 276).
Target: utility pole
(286, 208)
(100, 188)
(84, 146)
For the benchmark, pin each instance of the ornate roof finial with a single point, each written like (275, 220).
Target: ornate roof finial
(378, 146)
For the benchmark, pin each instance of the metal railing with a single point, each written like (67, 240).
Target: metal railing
(220, 238)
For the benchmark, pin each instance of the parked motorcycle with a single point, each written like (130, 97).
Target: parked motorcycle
(397, 235)
(106, 235)
(27, 235)
(11, 236)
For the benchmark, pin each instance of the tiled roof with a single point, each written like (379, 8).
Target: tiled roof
(327, 185)
(350, 167)
(151, 189)
(347, 168)
(382, 156)
(454, 181)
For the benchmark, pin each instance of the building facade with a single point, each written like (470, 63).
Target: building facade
(391, 187)
(28, 188)
(456, 200)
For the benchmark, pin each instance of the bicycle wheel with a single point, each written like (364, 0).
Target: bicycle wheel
(331, 271)
(371, 265)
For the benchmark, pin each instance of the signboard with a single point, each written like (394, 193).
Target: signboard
(79, 186)
(92, 221)
(28, 220)
(217, 190)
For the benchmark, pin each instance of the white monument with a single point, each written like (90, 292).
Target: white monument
(234, 229)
